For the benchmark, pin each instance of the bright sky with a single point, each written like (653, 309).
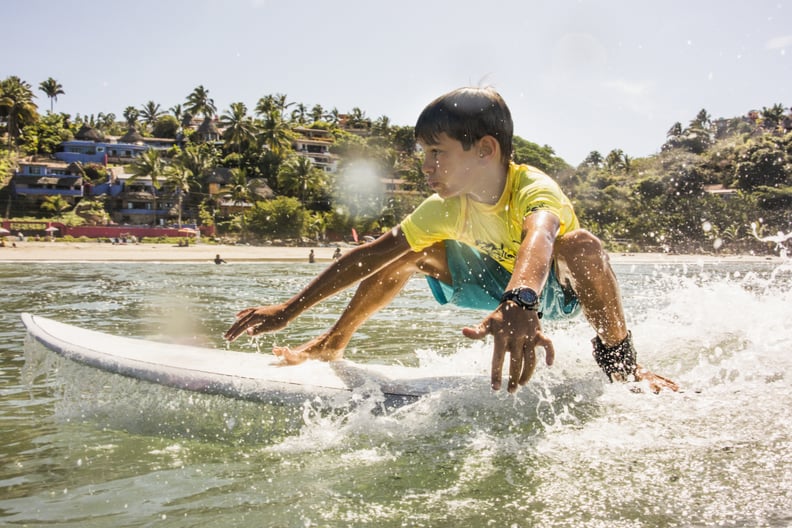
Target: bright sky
(577, 75)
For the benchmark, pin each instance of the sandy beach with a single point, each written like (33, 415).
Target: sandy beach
(32, 251)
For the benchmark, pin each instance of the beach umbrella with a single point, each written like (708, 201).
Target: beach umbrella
(188, 231)
(4, 231)
(51, 229)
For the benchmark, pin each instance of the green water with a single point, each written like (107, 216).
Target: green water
(83, 448)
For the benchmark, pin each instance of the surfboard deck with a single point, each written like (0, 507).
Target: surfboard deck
(241, 375)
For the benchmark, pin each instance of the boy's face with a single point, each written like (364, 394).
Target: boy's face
(451, 170)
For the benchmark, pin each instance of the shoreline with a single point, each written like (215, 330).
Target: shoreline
(33, 251)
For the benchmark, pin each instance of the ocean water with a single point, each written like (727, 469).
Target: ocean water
(82, 448)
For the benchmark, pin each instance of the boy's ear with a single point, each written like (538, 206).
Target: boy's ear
(487, 147)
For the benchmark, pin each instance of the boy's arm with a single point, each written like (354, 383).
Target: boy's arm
(348, 269)
(516, 330)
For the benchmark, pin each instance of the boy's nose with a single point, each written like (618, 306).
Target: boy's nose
(428, 166)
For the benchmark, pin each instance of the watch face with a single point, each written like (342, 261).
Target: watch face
(527, 297)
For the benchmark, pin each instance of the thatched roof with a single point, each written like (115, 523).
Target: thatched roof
(132, 136)
(87, 133)
(259, 187)
(221, 175)
(208, 130)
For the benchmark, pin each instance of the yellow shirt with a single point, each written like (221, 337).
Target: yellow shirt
(495, 230)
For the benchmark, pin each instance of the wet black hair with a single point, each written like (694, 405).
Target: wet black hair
(467, 115)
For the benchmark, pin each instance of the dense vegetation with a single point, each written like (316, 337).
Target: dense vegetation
(657, 203)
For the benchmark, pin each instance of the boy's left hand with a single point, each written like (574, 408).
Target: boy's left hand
(656, 381)
(518, 332)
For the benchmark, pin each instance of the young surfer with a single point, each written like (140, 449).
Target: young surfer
(495, 235)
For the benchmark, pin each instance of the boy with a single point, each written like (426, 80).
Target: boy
(495, 236)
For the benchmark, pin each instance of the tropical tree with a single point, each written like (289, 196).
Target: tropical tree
(149, 164)
(300, 178)
(275, 133)
(199, 102)
(106, 122)
(614, 160)
(177, 111)
(594, 159)
(357, 119)
(317, 113)
(381, 126)
(55, 204)
(240, 130)
(181, 180)
(131, 115)
(299, 114)
(44, 136)
(197, 159)
(773, 116)
(166, 126)
(333, 116)
(17, 109)
(241, 194)
(272, 103)
(53, 89)
(150, 112)
(283, 217)
(764, 163)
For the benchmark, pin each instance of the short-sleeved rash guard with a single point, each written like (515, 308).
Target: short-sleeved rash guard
(495, 230)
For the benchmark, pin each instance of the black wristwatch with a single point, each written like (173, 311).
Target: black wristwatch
(522, 296)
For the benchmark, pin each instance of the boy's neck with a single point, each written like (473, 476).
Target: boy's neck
(493, 183)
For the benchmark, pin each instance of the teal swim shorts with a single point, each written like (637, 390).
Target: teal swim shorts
(479, 281)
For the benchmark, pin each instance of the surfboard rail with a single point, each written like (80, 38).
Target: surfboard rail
(240, 375)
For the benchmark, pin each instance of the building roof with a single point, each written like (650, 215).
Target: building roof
(132, 136)
(87, 133)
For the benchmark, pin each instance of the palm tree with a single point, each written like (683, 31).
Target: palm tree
(240, 130)
(333, 116)
(772, 116)
(177, 112)
(199, 102)
(56, 204)
(265, 105)
(275, 133)
(299, 113)
(150, 112)
(594, 159)
(149, 164)
(381, 126)
(131, 115)
(106, 122)
(299, 176)
(196, 159)
(16, 106)
(317, 113)
(180, 179)
(614, 160)
(53, 89)
(240, 194)
(357, 119)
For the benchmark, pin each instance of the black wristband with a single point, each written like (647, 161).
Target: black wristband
(619, 359)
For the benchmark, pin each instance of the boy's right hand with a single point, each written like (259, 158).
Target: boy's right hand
(518, 332)
(257, 320)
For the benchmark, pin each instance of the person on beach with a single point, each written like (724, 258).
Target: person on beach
(218, 260)
(495, 235)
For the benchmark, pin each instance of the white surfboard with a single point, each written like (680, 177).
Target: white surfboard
(241, 375)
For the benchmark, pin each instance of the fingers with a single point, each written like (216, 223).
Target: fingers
(288, 356)
(498, 355)
(476, 332)
(529, 364)
(547, 344)
(246, 322)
